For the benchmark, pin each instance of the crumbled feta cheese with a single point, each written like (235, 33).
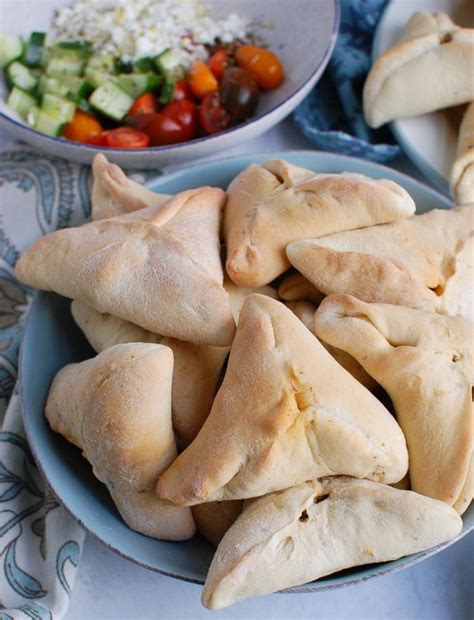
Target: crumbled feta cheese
(131, 29)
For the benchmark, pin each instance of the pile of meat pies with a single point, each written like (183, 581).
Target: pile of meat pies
(304, 404)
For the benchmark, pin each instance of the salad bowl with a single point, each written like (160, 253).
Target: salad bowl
(302, 35)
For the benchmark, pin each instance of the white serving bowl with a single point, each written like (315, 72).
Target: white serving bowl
(302, 32)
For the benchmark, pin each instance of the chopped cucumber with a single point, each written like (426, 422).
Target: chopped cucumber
(57, 107)
(20, 101)
(21, 76)
(145, 65)
(167, 91)
(78, 88)
(56, 86)
(81, 48)
(11, 48)
(32, 115)
(99, 69)
(65, 65)
(135, 84)
(85, 106)
(34, 49)
(111, 100)
(168, 65)
(47, 124)
(96, 77)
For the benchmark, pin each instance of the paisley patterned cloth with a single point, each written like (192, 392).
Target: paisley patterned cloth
(332, 116)
(40, 544)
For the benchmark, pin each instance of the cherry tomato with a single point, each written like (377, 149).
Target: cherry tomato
(262, 63)
(145, 104)
(100, 139)
(83, 128)
(164, 130)
(239, 93)
(212, 115)
(185, 114)
(139, 121)
(181, 91)
(218, 62)
(201, 80)
(127, 138)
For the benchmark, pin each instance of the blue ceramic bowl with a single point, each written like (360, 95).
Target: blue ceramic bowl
(51, 340)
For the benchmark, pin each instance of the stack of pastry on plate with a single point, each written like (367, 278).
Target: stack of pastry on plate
(431, 68)
(283, 408)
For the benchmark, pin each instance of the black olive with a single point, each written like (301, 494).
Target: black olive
(239, 93)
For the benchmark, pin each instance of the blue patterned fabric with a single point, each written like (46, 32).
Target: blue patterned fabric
(331, 116)
(40, 543)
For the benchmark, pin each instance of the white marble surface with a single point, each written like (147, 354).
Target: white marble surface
(441, 588)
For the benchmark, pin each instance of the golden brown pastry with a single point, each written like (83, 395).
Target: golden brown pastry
(215, 518)
(429, 69)
(462, 173)
(317, 528)
(305, 311)
(196, 373)
(425, 362)
(296, 287)
(116, 408)
(158, 267)
(272, 204)
(113, 193)
(420, 262)
(286, 412)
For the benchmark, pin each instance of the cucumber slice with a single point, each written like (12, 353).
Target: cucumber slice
(167, 91)
(48, 124)
(145, 65)
(52, 85)
(111, 100)
(32, 115)
(168, 65)
(81, 48)
(20, 101)
(57, 107)
(65, 65)
(96, 77)
(11, 48)
(34, 49)
(99, 68)
(21, 76)
(78, 89)
(135, 84)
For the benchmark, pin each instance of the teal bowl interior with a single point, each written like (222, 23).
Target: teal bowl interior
(51, 340)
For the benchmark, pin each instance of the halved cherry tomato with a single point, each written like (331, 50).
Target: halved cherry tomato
(100, 139)
(164, 130)
(201, 80)
(218, 62)
(83, 128)
(181, 91)
(127, 138)
(212, 115)
(145, 104)
(185, 114)
(266, 67)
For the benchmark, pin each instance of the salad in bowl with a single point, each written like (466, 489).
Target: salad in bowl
(137, 74)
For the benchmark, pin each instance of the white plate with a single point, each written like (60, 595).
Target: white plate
(428, 140)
